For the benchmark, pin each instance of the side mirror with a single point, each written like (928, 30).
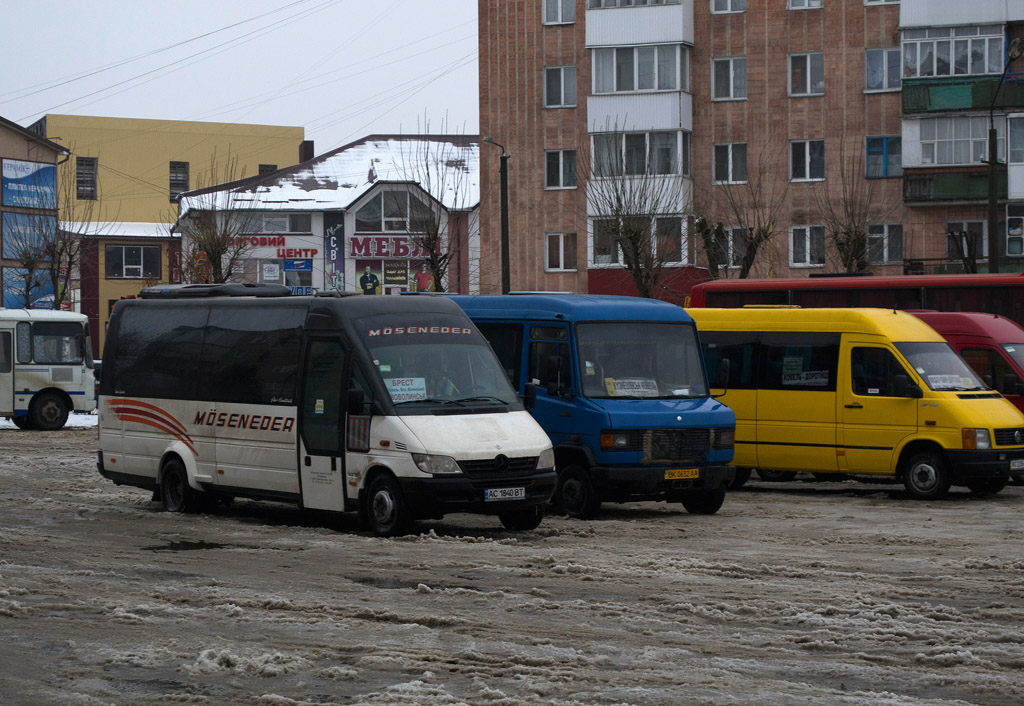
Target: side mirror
(723, 375)
(988, 380)
(1011, 385)
(355, 401)
(902, 387)
(529, 395)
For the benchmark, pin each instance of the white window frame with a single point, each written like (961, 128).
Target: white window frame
(806, 233)
(683, 239)
(732, 78)
(599, 4)
(948, 134)
(734, 6)
(929, 42)
(884, 232)
(807, 161)
(731, 176)
(564, 243)
(1015, 230)
(618, 261)
(808, 88)
(680, 63)
(559, 7)
(887, 78)
(562, 71)
(1015, 126)
(561, 170)
(805, 4)
(682, 156)
(881, 2)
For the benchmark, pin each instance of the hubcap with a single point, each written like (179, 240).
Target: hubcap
(383, 507)
(924, 476)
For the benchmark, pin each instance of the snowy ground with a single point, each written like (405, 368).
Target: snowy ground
(794, 594)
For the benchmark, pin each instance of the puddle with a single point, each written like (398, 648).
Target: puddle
(187, 546)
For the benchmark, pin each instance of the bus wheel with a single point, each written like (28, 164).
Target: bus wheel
(575, 493)
(24, 422)
(986, 485)
(522, 520)
(175, 492)
(926, 476)
(704, 502)
(740, 478)
(48, 411)
(776, 476)
(386, 513)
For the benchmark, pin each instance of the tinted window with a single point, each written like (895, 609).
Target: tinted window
(873, 371)
(251, 355)
(507, 342)
(740, 349)
(322, 399)
(544, 371)
(156, 352)
(800, 361)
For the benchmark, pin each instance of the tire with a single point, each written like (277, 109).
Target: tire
(740, 478)
(48, 411)
(176, 494)
(386, 512)
(575, 494)
(986, 485)
(926, 476)
(776, 476)
(24, 422)
(522, 520)
(704, 502)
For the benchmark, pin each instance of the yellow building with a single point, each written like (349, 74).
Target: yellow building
(123, 177)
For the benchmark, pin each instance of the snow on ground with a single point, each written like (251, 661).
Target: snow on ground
(794, 593)
(74, 420)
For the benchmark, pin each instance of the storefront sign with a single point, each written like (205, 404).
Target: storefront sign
(29, 184)
(385, 246)
(334, 250)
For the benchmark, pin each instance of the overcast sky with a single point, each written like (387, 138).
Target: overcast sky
(341, 69)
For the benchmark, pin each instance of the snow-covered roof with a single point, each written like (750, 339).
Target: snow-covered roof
(333, 181)
(120, 229)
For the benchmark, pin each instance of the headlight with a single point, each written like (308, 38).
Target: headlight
(429, 463)
(546, 459)
(724, 437)
(614, 441)
(977, 439)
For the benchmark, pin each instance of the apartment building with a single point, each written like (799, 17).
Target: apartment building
(787, 121)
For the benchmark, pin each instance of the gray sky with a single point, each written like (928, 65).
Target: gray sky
(341, 69)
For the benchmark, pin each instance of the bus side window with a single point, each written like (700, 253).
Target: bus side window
(5, 352)
(357, 421)
(740, 349)
(872, 371)
(541, 372)
(24, 342)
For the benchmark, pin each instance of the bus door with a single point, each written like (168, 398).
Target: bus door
(6, 373)
(874, 419)
(549, 366)
(322, 417)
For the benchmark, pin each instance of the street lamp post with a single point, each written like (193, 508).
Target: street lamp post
(1015, 50)
(503, 182)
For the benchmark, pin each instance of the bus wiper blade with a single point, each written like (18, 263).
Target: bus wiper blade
(431, 400)
(482, 398)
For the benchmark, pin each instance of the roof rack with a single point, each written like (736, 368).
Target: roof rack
(227, 289)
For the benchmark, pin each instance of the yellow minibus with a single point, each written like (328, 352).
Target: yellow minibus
(858, 391)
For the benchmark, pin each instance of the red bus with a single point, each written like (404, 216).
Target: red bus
(1001, 294)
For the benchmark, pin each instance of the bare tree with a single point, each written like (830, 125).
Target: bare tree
(847, 204)
(213, 241)
(24, 236)
(438, 164)
(636, 197)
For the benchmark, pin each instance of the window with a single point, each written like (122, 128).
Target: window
(731, 163)
(561, 255)
(959, 140)
(730, 246)
(393, 211)
(966, 239)
(648, 68)
(873, 371)
(560, 87)
(321, 414)
(807, 246)
(799, 361)
(629, 3)
(989, 365)
(723, 6)
(560, 169)
(807, 74)
(807, 160)
(667, 233)
(616, 154)
(885, 243)
(881, 2)
(268, 168)
(179, 179)
(804, 4)
(668, 242)
(606, 246)
(1016, 129)
(50, 342)
(300, 223)
(1015, 229)
(730, 78)
(126, 261)
(884, 157)
(507, 342)
(953, 51)
(882, 70)
(277, 223)
(6, 362)
(85, 177)
(559, 12)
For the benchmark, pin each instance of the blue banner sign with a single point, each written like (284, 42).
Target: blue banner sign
(29, 184)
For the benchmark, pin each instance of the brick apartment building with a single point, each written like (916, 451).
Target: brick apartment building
(783, 112)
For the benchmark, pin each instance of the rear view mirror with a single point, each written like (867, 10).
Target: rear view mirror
(902, 387)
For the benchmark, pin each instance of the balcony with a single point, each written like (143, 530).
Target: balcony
(951, 93)
(964, 186)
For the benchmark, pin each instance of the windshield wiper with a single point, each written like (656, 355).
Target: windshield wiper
(432, 400)
(482, 398)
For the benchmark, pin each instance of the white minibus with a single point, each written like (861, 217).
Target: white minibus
(46, 368)
(395, 407)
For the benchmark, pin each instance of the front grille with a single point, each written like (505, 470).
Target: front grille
(1010, 437)
(501, 465)
(676, 445)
